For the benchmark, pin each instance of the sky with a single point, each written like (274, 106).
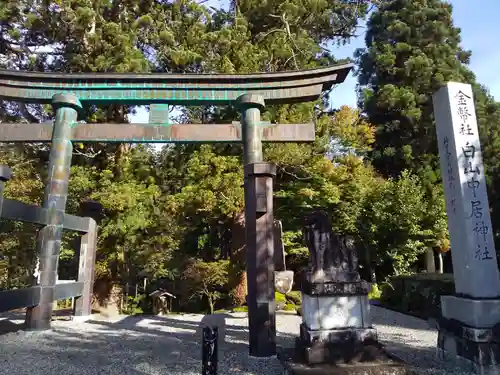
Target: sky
(480, 32)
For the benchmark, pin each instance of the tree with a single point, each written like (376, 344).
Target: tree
(399, 222)
(206, 280)
(351, 132)
(177, 214)
(488, 117)
(412, 49)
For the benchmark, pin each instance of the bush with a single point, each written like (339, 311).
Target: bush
(290, 307)
(294, 297)
(279, 297)
(134, 305)
(417, 294)
(240, 309)
(280, 300)
(375, 293)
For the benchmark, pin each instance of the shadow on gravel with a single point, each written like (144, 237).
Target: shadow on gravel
(388, 317)
(144, 345)
(424, 360)
(151, 345)
(13, 321)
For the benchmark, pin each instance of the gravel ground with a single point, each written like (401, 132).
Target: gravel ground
(170, 345)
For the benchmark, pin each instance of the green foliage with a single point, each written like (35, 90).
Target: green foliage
(133, 305)
(240, 309)
(294, 297)
(206, 280)
(173, 215)
(417, 294)
(396, 227)
(279, 297)
(375, 293)
(412, 49)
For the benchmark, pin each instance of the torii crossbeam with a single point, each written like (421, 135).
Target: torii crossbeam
(157, 133)
(69, 94)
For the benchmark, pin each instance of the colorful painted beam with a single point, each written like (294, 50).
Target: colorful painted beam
(182, 89)
(157, 133)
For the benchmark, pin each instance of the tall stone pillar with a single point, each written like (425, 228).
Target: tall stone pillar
(66, 107)
(472, 315)
(259, 231)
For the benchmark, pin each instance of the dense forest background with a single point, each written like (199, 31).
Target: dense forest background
(176, 215)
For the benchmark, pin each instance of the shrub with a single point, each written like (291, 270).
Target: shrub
(280, 300)
(133, 306)
(418, 294)
(241, 309)
(294, 297)
(279, 297)
(375, 293)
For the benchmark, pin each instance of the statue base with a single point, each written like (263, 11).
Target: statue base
(361, 359)
(336, 334)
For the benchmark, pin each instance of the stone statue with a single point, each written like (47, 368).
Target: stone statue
(332, 257)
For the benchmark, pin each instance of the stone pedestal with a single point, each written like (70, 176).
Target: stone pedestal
(471, 318)
(336, 334)
(469, 333)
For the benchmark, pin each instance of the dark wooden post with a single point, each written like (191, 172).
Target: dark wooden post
(91, 210)
(259, 231)
(66, 107)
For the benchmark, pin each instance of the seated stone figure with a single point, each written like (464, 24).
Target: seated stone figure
(332, 257)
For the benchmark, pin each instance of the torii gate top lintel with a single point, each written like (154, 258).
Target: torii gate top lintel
(181, 89)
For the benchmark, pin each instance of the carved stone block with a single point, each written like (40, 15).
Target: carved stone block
(335, 312)
(336, 288)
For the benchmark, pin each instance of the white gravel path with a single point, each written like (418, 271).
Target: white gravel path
(171, 345)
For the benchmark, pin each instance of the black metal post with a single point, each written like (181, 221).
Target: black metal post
(209, 349)
(5, 175)
(67, 107)
(259, 232)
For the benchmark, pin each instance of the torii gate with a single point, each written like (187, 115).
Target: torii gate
(250, 92)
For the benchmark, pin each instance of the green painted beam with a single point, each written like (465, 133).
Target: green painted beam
(157, 133)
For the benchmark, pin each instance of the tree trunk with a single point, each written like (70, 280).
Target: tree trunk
(430, 264)
(238, 259)
(241, 291)
(370, 265)
(373, 275)
(440, 260)
(210, 305)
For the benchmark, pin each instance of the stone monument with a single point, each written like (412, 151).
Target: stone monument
(336, 333)
(470, 323)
